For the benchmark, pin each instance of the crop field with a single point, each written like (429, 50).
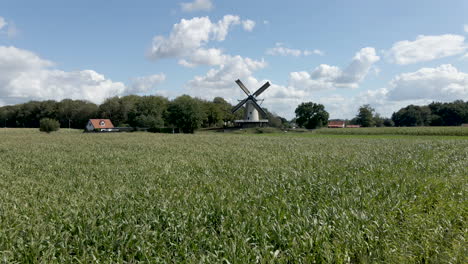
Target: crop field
(70, 197)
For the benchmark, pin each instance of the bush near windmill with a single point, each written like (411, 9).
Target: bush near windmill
(49, 125)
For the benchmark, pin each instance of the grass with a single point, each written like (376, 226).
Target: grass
(70, 197)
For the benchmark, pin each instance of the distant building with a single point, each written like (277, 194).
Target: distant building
(100, 125)
(336, 124)
(464, 125)
(353, 126)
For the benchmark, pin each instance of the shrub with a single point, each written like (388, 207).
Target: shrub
(49, 125)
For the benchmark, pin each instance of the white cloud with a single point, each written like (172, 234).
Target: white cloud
(25, 76)
(444, 83)
(280, 50)
(465, 28)
(146, 84)
(8, 28)
(315, 51)
(189, 35)
(197, 5)
(220, 81)
(266, 22)
(248, 25)
(3, 23)
(426, 48)
(326, 77)
(278, 98)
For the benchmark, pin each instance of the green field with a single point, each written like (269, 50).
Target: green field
(70, 197)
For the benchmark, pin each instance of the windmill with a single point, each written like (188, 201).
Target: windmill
(252, 108)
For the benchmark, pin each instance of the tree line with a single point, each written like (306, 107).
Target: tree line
(435, 114)
(312, 115)
(184, 112)
(189, 113)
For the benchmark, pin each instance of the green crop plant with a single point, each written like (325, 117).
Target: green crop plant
(227, 198)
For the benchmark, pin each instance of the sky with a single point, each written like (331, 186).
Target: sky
(342, 54)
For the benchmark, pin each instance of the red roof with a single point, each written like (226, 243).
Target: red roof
(101, 123)
(336, 123)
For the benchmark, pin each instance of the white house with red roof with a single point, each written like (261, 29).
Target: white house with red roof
(100, 125)
(336, 124)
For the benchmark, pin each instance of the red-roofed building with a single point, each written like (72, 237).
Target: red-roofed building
(101, 125)
(336, 124)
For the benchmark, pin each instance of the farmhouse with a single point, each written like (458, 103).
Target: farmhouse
(100, 125)
(336, 124)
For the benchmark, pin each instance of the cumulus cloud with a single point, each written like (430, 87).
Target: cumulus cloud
(189, 35)
(220, 81)
(146, 84)
(444, 83)
(248, 25)
(25, 76)
(280, 50)
(197, 5)
(326, 77)
(426, 48)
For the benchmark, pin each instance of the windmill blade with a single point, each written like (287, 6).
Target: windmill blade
(239, 105)
(254, 103)
(242, 86)
(261, 89)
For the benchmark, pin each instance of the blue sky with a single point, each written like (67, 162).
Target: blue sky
(339, 53)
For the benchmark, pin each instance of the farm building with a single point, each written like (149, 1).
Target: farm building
(100, 125)
(336, 124)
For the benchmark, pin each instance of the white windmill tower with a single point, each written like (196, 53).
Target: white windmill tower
(252, 108)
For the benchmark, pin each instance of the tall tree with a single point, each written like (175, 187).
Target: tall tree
(186, 113)
(149, 111)
(412, 115)
(311, 115)
(365, 116)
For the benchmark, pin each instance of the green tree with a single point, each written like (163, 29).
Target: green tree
(186, 113)
(311, 115)
(365, 116)
(75, 113)
(149, 111)
(214, 114)
(112, 110)
(412, 115)
(49, 125)
(378, 120)
(449, 114)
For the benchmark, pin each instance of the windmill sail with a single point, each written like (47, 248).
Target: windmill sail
(261, 89)
(242, 86)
